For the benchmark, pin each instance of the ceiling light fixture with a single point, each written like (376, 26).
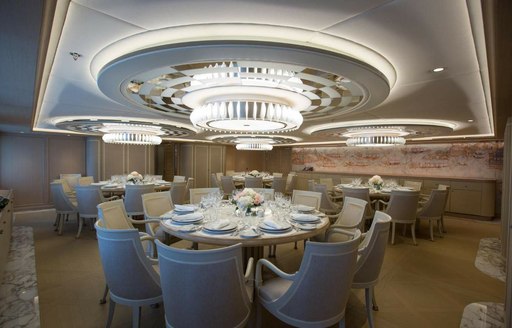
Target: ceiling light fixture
(134, 134)
(376, 136)
(438, 69)
(253, 146)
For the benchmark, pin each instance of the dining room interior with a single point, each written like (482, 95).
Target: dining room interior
(255, 163)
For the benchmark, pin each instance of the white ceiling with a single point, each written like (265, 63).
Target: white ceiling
(412, 36)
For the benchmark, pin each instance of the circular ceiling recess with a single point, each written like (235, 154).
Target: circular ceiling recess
(253, 139)
(176, 79)
(96, 127)
(407, 131)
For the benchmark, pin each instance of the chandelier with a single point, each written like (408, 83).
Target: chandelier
(134, 134)
(376, 136)
(255, 146)
(254, 143)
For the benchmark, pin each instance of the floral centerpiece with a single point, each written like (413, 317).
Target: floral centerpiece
(376, 182)
(247, 198)
(134, 178)
(254, 173)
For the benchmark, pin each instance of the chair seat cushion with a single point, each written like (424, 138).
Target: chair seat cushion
(274, 288)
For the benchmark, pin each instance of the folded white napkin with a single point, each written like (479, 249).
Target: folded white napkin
(273, 224)
(219, 224)
(188, 217)
(304, 217)
(184, 208)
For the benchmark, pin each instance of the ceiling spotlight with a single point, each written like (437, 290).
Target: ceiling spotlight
(470, 121)
(133, 134)
(438, 69)
(376, 136)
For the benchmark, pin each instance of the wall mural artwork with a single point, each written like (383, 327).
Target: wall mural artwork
(482, 160)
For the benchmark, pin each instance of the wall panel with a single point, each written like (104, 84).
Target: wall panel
(113, 161)
(201, 167)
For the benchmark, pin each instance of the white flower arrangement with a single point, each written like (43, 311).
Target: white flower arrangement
(134, 177)
(376, 181)
(248, 198)
(254, 173)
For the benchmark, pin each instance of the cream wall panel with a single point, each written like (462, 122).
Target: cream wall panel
(246, 160)
(65, 155)
(216, 159)
(93, 158)
(187, 161)
(24, 169)
(201, 167)
(229, 158)
(137, 159)
(113, 160)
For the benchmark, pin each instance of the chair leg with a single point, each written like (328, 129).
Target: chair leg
(136, 316)
(439, 227)
(393, 226)
(111, 309)
(57, 222)
(61, 223)
(103, 300)
(368, 299)
(375, 307)
(80, 225)
(442, 224)
(431, 226)
(272, 250)
(413, 233)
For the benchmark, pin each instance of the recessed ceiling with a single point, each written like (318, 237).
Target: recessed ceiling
(342, 63)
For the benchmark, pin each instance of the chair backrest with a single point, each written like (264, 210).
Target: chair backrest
(320, 289)
(227, 184)
(85, 181)
(434, 207)
(371, 252)
(277, 175)
(253, 182)
(290, 182)
(88, 198)
(329, 184)
(267, 193)
(65, 185)
(279, 184)
(178, 192)
(178, 178)
(113, 215)
(352, 213)
(308, 198)
(218, 175)
(447, 188)
(203, 288)
(230, 172)
(403, 205)
(190, 185)
(128, 273)
(71, 179)
(154, 205)
(361, 193)
(61, 201)
(197, 193)
(133, 199)
(415, 185)
(214, 183)
(325, 203)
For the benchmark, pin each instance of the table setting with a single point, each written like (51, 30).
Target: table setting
(376, 184)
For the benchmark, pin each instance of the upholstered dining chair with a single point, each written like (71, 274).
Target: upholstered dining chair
(364, 194)
(329, 184)
(71, 179)
(178, 192)
(279, 184)
(311, 185)
(178, 178)
(228, 185)
(88, 197)
(433, 210)
(154, 205)
(316, 295)
(277, 174)
(85, 181)
(64, 206)
(327, 206)
(349, 219)
(133, 200)
(253, 182)
(403, 207)
(214, 182)
(369, 261)
(291, 180)
(205, 288)
(415, 185)
(197, 193)
(129, 273)
(308, 198)
(190, 185)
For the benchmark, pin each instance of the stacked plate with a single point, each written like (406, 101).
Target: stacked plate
(182, 227)
(220, 227)
(271, 226)
(305, 209)
(191, 218)
(305, 218)
(183, 209)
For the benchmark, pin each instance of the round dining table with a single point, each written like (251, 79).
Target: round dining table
(252, 246)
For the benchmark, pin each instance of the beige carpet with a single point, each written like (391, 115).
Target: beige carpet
(421, 286)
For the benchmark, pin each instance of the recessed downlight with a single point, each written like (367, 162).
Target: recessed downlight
(438, 69)
(470, 121)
